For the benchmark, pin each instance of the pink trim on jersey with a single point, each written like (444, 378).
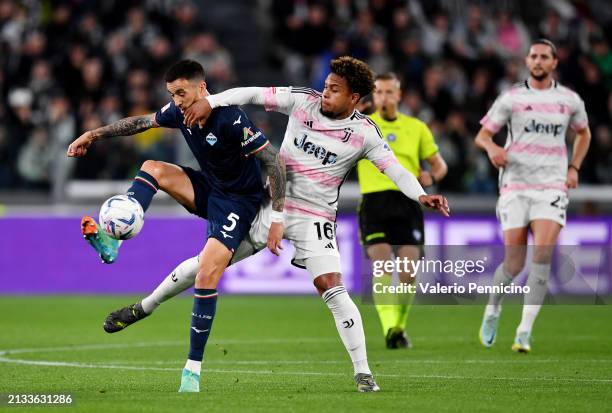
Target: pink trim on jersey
(514, 91)
(291, 206)
(322, 178)
(525, 187)
(385, 163)
(490, 124)
(270, 101)
(354, 140)
(536, 149)
(541, 108)
(579, 126)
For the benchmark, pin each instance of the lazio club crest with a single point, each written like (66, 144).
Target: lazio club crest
(211, 139)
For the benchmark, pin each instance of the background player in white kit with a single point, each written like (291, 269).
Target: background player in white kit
(325, 138)
(534, 179)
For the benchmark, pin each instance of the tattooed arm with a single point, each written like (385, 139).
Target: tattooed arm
(275, 167)
(123, 127)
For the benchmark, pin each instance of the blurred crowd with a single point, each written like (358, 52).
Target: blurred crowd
(67, 66)
(454, 57)
(71, 66)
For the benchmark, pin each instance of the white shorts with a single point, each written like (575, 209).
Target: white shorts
(314, 239)
(517, 210)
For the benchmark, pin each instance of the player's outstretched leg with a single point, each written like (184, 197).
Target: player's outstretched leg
(106, 247)
(120, 319)
(181, 278)
(349, 326)
(143, 188)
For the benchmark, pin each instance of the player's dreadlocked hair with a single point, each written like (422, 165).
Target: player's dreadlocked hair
(185, 69)
(357, 74)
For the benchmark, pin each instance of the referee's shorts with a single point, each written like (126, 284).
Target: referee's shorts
(390, 217)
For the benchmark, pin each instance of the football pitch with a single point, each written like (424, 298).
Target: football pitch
(283, 354)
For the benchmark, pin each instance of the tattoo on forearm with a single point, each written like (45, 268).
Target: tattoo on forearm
(275, 167)
(124, 127)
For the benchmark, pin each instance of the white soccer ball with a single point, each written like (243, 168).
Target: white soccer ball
(121, 217)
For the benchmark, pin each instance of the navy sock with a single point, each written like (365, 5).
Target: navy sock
(143, 188)
(204, 307)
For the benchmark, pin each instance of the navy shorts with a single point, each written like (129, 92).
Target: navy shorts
(229, 215)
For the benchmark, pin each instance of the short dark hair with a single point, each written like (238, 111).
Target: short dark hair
(548, 43)
(185, 69)
(358, 75)
(388, 76)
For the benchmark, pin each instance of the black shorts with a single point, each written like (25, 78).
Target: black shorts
(390, 217)
(229, 216)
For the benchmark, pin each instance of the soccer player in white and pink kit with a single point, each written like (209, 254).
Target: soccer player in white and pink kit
(534, 178)
(325, 138)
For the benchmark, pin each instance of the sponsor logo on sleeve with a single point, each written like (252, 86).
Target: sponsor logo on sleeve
(249, 136)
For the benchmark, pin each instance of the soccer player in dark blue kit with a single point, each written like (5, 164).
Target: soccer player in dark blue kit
(227, 191)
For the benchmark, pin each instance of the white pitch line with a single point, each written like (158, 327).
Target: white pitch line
(294, 373)
(4, 359)
(524, 360)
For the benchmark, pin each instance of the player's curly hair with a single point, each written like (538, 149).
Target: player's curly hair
(358, 75)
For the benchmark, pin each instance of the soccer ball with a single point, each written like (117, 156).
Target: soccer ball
(121, 217)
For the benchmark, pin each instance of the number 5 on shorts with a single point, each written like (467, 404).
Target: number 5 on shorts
(233, 220)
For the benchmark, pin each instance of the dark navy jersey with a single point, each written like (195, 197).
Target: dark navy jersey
(223, 148)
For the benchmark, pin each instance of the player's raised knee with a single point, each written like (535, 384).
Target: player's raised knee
(154, 168)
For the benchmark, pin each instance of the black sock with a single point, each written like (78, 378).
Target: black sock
(143, 188)
(204, 307)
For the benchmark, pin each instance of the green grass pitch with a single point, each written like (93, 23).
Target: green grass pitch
(283, 354)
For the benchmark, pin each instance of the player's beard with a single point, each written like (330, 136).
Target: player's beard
(543, 75)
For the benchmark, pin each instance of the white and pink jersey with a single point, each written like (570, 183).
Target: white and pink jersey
(537, 122)
(319, 152)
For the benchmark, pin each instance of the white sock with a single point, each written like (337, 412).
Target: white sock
(532, 302)
(178, 281)
(350, 328)
(193, 365)
(499, 278)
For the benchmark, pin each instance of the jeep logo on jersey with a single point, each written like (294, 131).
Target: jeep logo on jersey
(318, 151)
(548, 128)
